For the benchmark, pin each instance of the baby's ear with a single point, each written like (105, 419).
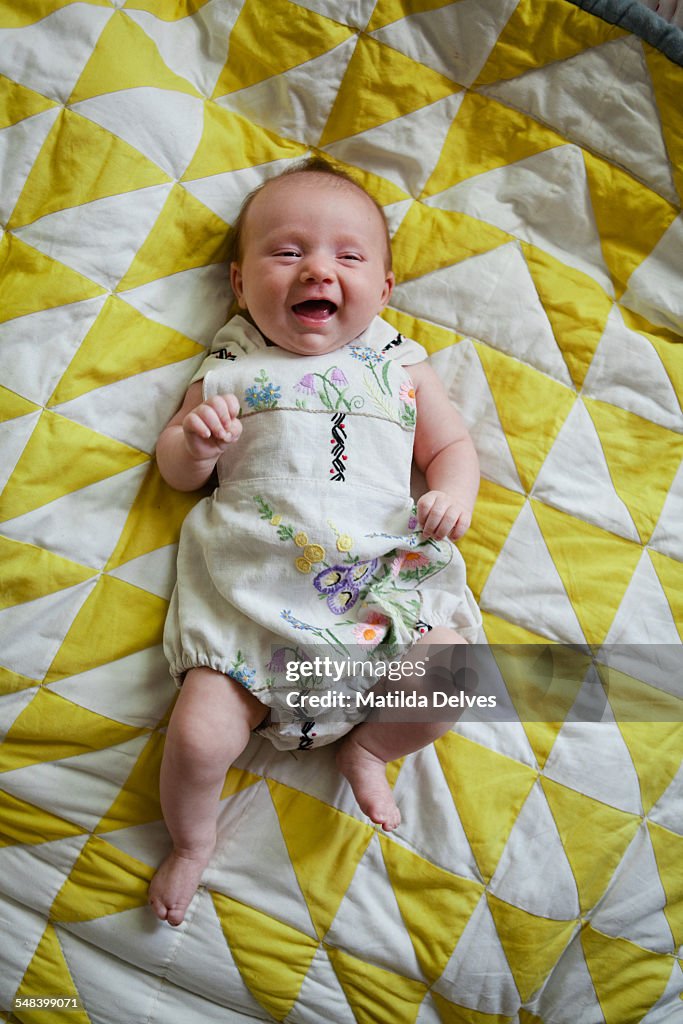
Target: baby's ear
(236, 284)
(388, 287)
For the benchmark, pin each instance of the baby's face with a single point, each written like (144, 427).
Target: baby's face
(313, 271)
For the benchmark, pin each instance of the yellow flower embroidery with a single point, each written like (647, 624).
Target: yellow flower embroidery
(276, 520)
(314, 553)
(344, 542)
(301, 540)
(303, 565)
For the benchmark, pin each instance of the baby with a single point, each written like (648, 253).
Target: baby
(311, 542)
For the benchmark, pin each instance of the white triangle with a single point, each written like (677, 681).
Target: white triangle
(75, 236)
(114, 409)
(79, 789)
(50, 55)
(194, 302)
(368, 923)
(19, 147)
(33, 874)
(461, 373)
(148, 843)
(524, 585)
(506, 737)
(575, 477)
(668, 1007)
(456, 40)
(224, 193)
(59, 524)
(314, 773)
(321, 996)
(18, 919)
(643, 617)
(129, 936)
(25, 341)
(295, 103)
(622, 357)
(194, 47)
(654, 288)
(592, 758)
(428, 1013)
(163, 125)
(668, 811)
(429, 819)
(667, 536)
(564, 96)
(356, 13)
(544, 200)
(405, 150)
(550, 889)
(136, 690)
(570, 974)
(14, 436)
(632, 906)
(235, 871)
(154, 572)
(47, 621)
(478, 973)
(11, 707)
(395, 214)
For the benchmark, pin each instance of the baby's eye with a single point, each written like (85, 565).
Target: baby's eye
(351, 256)
(287, 252)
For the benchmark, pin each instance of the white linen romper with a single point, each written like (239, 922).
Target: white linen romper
(310, 545)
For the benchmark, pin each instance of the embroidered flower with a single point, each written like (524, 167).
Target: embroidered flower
(342, 583)
(407, 560)
(413, 522)
(370, 632)
(262, 394)
(406, 392)
(278, 663)
(343, 599)
(306, 384)
(292, 620)
(366, 355)
(338, 377)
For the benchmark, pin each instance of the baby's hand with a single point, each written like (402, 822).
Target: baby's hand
(441, 515)
(212, 426)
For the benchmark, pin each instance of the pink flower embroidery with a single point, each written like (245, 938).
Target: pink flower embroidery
(306, 384)
(406, 392)
(408, 560)
(370, 632)
(338, 377)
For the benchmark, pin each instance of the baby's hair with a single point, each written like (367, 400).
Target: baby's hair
(311, 165)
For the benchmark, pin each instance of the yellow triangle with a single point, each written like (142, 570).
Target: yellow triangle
(628, 979)
(137, 802)
(668, 848)
(667, 344)
(426, 896)
(433, 337)
(272, 957)
(236, 780)
(363, 100)
(376, 995)
(643, 459)
(649, 719)
(154, 520)
(561, 288)
(28, 12)
(448, 237)
(186, 235)
(31, 281)
(61, 457)
(18, 102)
(452, 1013)
(510, 137)
(12, 682)
(527, 42)
(125, 58)
(325, 847)
(230, 143)
(31, 572)
(386, 12)
(666, 82)
(173, 10)
(28, 823)
(381, 189)
(120, 344)
(496, 510)
(543, 682)
(532, 945)
(669, 575)
(595, 567)
(116, 620)
(594, 835)
(630, 217)
(295, 35)
(104, 880)
(12, 406)
(488, 791)
(51, 728)
(48, 974)
(500, 631)
(532, 408)
(81, 162)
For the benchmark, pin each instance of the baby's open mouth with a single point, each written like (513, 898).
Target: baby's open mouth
(315, 309)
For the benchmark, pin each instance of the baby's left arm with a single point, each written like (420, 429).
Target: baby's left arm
(446, 455)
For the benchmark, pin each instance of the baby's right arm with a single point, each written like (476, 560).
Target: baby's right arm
(193, 441)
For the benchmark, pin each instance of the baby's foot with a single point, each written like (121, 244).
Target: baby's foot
(175, 883)
(367, 775)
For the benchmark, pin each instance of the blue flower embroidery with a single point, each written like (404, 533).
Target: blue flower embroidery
(366, 355)
(262, 394)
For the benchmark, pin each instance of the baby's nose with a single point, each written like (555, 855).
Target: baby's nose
(316, 268)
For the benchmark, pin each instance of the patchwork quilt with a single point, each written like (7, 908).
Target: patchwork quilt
(529, 157)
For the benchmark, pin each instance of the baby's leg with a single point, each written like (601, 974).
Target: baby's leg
(363, 754)
(210, 725)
